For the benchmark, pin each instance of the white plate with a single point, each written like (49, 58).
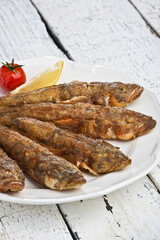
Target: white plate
(144, 151)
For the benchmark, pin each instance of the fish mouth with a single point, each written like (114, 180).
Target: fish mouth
(73, 184)
(122, 164)
(74, 181)
(145, 127)
(12, 185)
(136, 93)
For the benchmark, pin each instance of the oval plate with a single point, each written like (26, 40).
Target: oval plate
(144, 151)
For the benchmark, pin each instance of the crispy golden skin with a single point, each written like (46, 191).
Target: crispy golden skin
(113, 94)
(96, 156)
(91, 120)
(11, 176)
(41, 164)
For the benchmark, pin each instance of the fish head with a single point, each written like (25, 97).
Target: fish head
(63, 175)
(146, 123)
(123, 94)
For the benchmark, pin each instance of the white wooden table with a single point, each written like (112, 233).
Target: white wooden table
(120, 33)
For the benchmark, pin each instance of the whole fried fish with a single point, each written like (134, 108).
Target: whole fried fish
(91, 120)
(41, 164)
(94, 155)
(11, 176)
(103, 93)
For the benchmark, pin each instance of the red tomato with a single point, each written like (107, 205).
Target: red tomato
(11, 76)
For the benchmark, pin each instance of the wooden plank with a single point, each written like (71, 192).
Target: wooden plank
(23, 222)
(130, 213)
(110, 33)
(23, 35)
(155, 176)
(150, 10)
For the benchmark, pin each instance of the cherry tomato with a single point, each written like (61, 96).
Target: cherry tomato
(11, 76)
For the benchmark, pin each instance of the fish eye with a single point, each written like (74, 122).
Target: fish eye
(122, 89)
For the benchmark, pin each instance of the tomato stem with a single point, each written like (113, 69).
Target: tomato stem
(11, 66)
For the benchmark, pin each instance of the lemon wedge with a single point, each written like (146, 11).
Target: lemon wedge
(47, 78)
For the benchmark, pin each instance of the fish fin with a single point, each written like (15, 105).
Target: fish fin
(85, 166)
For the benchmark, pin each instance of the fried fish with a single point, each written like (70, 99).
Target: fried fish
(11, 176)
(103, 93)
(38, 162)
(91, 120)
(92, 154)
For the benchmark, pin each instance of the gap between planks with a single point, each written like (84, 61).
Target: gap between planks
(55, 39)
(152, 29)
(73, 234)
